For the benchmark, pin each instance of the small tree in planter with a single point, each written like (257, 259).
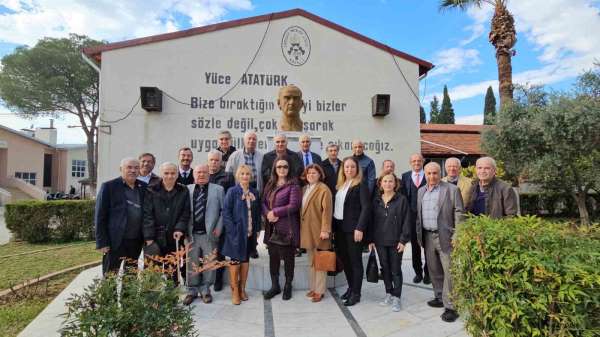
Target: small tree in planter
(135, 304)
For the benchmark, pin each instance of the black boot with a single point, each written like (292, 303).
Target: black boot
(346, 295)
(287, 291)
(352, 300)
(275, 289)
(219, 279)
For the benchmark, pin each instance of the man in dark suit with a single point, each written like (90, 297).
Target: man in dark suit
(412, 180)
(331, 167)
(186, 174)
(440, 209)
(306, 156)
(147, 162)
(280, 142)
(118, 217)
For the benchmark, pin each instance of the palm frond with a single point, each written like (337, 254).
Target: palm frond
(461, 4)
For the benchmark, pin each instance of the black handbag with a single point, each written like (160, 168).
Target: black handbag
(372, 268)
(280, 239)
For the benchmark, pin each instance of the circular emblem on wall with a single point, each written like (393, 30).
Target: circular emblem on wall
(295, 46)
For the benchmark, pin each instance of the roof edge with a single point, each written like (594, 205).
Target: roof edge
(96, 52)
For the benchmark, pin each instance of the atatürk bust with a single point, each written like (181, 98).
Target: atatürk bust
(290, 103)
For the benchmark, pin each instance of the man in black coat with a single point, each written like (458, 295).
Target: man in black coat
(306, 156)
(280, 142)
(118, 217)
(186, 174)
(411, 181)
(331, 167)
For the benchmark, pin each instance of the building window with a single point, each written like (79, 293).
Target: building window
(78, 168)
(28, 177)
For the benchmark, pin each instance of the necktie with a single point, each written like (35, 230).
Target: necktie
(199, 205)
(306, 163)
(418, 180)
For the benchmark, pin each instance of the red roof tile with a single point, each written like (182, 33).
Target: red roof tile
(451, 139)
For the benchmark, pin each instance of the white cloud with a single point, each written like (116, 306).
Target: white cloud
(454, 59)
(30, 20)
(470, 119)
(481, 22)
(565, 32)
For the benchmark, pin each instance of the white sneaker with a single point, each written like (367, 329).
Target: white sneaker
(387, 300)
(396, 304)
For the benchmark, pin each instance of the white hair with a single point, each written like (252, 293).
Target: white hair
(434, 164)
(305, 136)
(167, 164)
(215, 153)
(415, 154)
(451, 159)
(280, 135)
(126, 160)
(488, 159)
(248, 134)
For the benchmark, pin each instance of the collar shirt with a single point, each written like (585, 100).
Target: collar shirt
(430, 208)
(417, 177)
(340, 197)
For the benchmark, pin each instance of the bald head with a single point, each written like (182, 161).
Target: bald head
(416, 162)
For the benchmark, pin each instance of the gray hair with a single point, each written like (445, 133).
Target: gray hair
(248, 134)
(126, 160)
(357, 141)
(304, 136)
(280, 135)
(217, 153)
(415, 154)
(165, 165)
(451, 159)
(225, 133)
(332, 145)
(488, 159)
(433, 164)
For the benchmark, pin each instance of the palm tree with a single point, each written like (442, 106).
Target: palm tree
(502, 36)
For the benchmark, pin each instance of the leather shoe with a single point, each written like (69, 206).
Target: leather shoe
(417, 279)
(254, 255)
(287, 292)
(317, 298)
(426, 279)
(352, 300)
(274, 291)
(207, 298)
(188, 299)
(346, 295)
(298, 253)
(436, 303)
(449, 316)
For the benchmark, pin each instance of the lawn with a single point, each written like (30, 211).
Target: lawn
(17, 311)
(18, 269)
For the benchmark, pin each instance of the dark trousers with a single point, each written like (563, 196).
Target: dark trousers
(417, 262)
(220, 257)
(276, 254)
(351, 255)
(129, 249)
(253, 242)
(391, 263)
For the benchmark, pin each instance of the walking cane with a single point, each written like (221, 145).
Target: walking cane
(179, 263)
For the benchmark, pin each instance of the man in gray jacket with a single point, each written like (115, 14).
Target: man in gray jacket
(204, 229)
(489, 195)
(439, 210)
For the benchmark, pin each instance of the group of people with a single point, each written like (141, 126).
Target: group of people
(301, 201)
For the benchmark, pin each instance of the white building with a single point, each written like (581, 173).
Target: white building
(227, 75)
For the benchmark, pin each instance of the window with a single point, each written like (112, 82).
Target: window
(28, 177)
(77, 168)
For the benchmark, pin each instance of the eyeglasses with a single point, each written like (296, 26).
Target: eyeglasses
(282, 167)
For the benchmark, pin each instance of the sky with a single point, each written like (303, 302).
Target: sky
(556, 39)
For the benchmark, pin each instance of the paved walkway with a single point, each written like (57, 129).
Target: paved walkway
(297, 317)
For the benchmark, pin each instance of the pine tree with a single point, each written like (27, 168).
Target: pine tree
(447, 113)
(434, 112)
(489, 111)
(423, 118)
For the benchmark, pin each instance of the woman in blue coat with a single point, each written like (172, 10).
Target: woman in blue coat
(241, 219)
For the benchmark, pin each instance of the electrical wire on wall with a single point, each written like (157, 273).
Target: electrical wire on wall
(174, 99)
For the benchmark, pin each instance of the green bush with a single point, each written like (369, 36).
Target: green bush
(147, 306)
(43, 221)
(556, 204)
(527, 277)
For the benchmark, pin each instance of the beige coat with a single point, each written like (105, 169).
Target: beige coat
(315, 217)
(464, 185)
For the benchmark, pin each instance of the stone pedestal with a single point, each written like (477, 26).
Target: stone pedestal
(294, 141)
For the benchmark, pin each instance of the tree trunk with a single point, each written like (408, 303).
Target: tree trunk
(584, 216)
(505, 87)
(503, 37)
(91, 154)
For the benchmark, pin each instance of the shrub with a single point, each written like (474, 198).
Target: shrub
(147, 306)
(42, 221)
(527, 277)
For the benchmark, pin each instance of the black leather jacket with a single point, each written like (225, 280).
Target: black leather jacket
(165, 212)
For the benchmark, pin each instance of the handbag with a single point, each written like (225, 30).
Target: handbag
(372, 268)
(277, 237)
(324, 260)
(339, 264)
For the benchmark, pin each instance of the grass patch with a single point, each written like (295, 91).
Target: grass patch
(18, 269)
(16, 311)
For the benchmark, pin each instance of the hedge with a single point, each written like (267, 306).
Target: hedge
(527, 277)
(556, 204)
(43, 221)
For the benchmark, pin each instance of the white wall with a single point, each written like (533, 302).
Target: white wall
(340, 68)
(75, 154)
